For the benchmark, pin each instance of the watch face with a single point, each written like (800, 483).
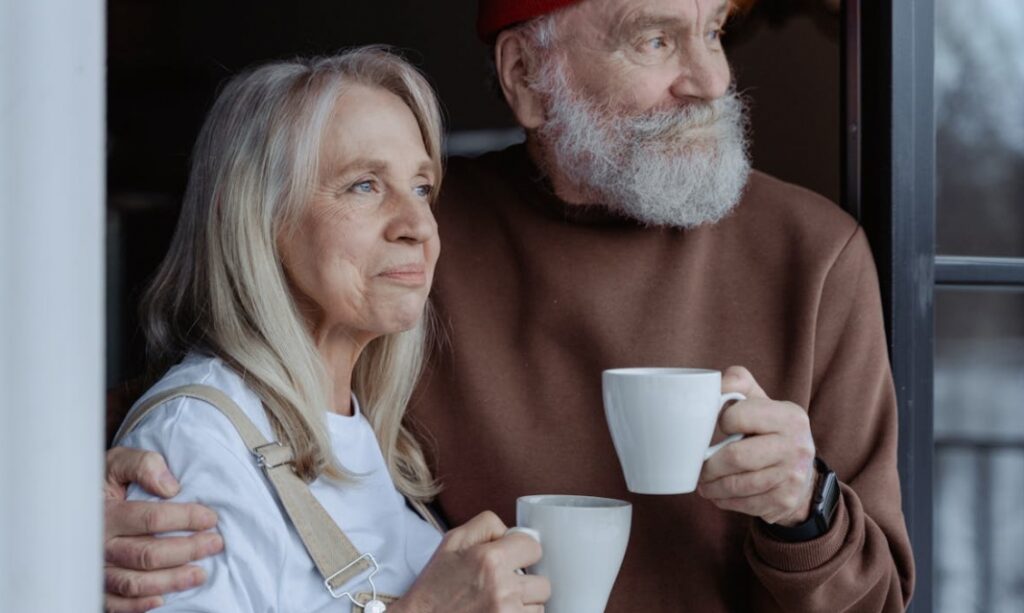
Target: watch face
(829, 494)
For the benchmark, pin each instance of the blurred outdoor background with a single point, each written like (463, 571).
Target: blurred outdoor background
(979, 341)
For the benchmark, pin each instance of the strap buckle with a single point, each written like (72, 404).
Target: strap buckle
(369, 579)
(272, 455)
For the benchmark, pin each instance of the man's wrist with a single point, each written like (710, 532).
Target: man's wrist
(824, 500)
(807, 507)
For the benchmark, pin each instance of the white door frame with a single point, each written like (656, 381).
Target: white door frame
(52, 110)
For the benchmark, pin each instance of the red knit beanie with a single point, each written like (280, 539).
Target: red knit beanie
(496, 15)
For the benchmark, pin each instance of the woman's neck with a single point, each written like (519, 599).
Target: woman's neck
(339, 352)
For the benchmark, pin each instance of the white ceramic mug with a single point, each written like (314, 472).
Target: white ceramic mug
(662, 421)
(584, 540)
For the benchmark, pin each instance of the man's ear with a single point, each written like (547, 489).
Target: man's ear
(515, 67)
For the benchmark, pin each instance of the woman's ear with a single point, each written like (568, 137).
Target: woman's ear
(514, 67)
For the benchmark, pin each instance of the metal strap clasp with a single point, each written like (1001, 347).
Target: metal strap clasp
(369, 579)
(272, 455)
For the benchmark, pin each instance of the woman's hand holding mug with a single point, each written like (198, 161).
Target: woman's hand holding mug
(474, 571)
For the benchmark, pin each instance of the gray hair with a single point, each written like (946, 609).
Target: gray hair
(541, 32)
(222, 287)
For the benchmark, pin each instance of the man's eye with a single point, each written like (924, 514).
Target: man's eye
(716, 35)
(657, 43)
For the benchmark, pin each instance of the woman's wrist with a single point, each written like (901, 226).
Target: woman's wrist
(403, 605)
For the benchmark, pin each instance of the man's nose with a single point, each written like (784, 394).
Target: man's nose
(703, 74)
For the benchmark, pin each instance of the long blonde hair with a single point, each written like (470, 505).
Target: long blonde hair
(222, 288)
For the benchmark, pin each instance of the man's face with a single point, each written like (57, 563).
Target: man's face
(639, 113)
(641, 55)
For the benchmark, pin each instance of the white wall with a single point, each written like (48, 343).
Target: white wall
(51, 287)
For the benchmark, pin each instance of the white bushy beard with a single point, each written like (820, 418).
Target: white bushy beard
(681, 167)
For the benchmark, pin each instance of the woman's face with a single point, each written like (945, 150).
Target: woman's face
(361, 259)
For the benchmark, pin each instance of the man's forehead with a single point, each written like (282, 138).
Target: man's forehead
(615, 15)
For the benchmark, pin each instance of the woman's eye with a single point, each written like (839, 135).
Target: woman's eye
(424, 191)
(364, 187)
(716, 35)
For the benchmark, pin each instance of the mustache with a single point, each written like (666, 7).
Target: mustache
(679, 122)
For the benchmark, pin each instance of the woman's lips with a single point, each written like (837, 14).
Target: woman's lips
(408, 274)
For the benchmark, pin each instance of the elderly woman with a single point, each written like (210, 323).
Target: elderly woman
(296, 285)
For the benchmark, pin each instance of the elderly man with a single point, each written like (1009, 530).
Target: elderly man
(630, 230)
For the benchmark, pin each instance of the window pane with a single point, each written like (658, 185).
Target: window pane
(979, 451)
(979, 112)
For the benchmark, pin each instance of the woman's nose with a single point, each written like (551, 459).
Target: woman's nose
(413, 220)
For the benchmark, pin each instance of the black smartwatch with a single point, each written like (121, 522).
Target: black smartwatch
(823, 507)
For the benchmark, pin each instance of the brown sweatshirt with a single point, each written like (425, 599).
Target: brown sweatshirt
(538, 297)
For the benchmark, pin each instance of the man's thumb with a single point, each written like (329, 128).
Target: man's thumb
(146, 468)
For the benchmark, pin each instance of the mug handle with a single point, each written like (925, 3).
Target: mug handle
(732, 438)
(530, 532)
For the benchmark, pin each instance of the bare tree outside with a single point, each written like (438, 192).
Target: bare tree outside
(979, 347)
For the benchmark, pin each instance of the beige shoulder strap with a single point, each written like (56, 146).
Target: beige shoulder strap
(334, 555)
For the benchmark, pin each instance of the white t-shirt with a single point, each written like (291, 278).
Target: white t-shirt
(264, 566)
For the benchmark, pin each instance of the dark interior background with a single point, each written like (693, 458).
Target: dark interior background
(167, 58)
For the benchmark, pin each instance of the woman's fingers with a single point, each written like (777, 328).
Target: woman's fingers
(483, 528)
(517, 550)
(536, 590)
(474, 569)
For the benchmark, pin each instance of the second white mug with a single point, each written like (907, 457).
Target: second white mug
(661, 422)
(584, 540)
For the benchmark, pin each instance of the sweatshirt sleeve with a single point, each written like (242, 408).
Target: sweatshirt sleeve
(864, 562)
(206, 454)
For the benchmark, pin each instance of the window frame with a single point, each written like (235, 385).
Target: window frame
(888, 136)
(895, 129)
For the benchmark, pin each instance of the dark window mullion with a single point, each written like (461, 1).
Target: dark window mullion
(850, 109)
(897, 189)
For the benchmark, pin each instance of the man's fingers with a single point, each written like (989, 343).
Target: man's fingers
(748, 455)
(778, 504)
(152, 553)
(146, 468)
(136, 584)
(119, 604)
(739, 379)
(742, 485)
(143, 518)
(762, 505)
(763, 416)
(536, 590)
